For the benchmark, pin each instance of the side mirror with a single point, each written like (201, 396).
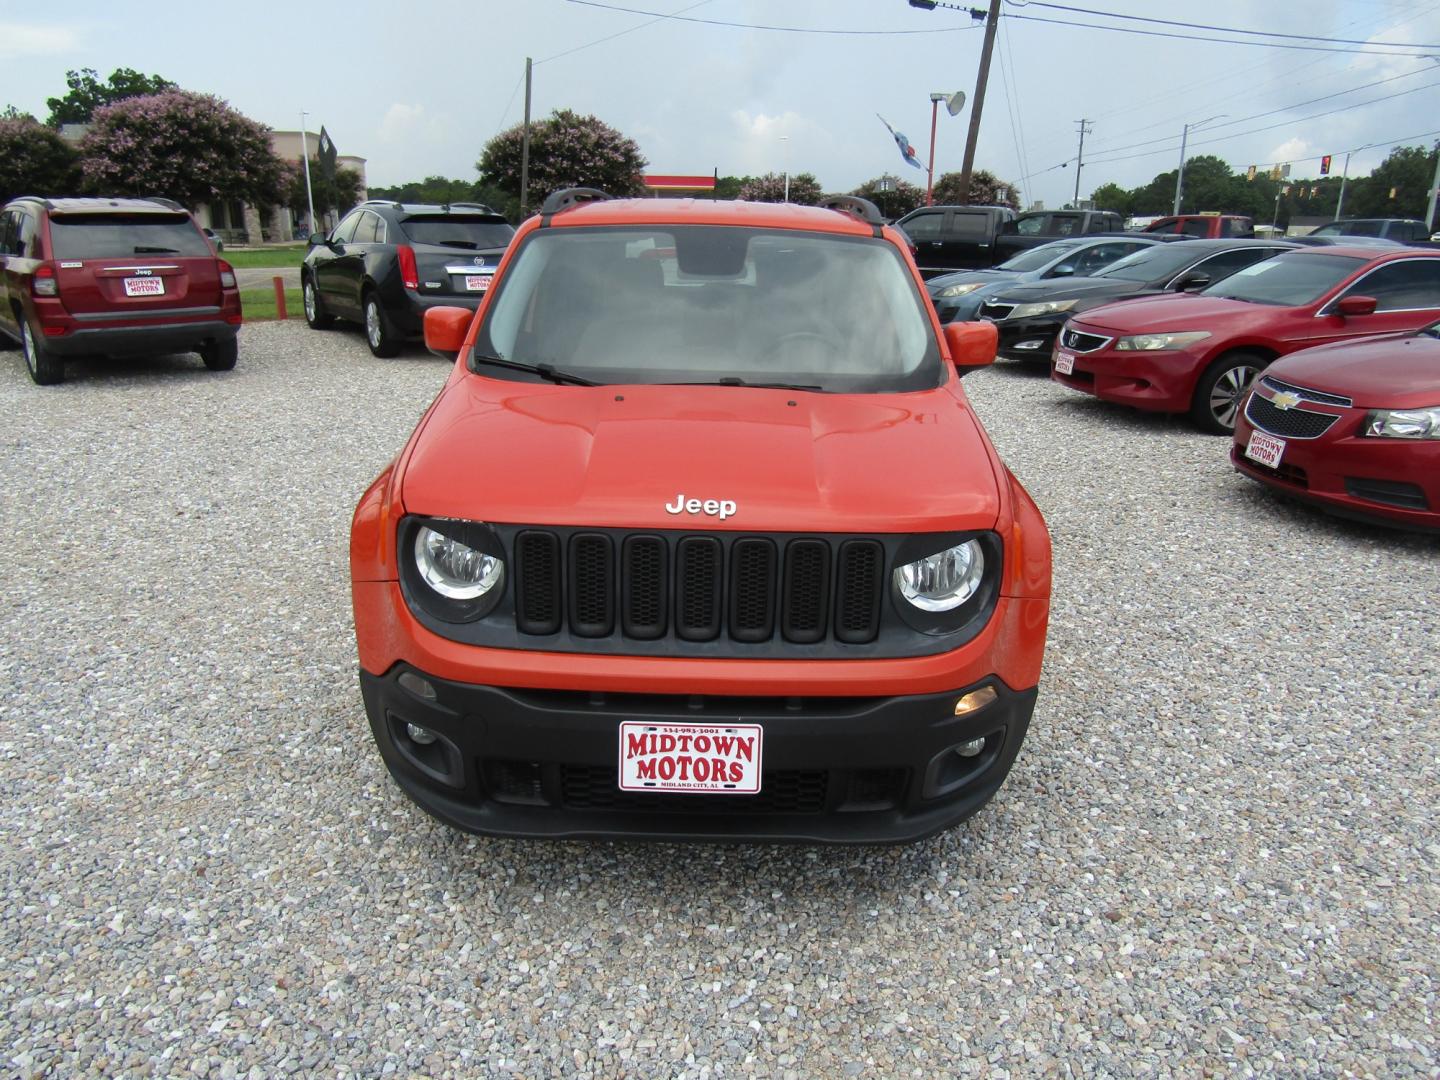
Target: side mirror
(316, 239)
(1357, 305)
(445, 330)
(1192, 282)
(972, 344)
(1063, 270)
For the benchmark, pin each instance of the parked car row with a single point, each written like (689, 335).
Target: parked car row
(1321, 360)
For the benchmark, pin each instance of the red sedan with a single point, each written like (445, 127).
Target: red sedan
(1199, 353)
(1353, 427)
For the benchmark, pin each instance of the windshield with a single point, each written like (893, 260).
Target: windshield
(1286, 280)
(706, 303)
(1152, 264)
(114, 236)
(1040, 257)
(452, 230)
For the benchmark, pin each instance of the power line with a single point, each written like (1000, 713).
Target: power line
(778, 29)
(1199, 37)
(1221, 29)
(622, 33)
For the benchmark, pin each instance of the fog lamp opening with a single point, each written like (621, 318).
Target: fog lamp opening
(974, 701)
(970, 749)
(419, 735)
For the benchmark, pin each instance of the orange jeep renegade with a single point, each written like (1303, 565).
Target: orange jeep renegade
(701, 540)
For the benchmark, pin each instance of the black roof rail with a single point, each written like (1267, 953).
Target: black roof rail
(856, 207)
(565, 198)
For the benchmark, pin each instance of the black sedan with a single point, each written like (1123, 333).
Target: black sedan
(957, 297)
(387, 262)
(1030, 316)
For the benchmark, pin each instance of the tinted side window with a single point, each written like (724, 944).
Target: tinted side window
(8, 233)
(1195, 227)
(365, 231)
(1032, 226)
(1223, 265)
(1364, 228)
(345, 231)
(925, 226)
(1402, 286)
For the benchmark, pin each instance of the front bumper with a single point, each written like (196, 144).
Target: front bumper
(1162, 381)
(542, 763)
(1029, 339)
(1393, 482)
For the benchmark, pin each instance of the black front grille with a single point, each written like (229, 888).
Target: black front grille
(1306, 394)
(782, 791)
(1080, 342)
(1287, 423)
(751, 589)
(1390, 492)
(996, 312)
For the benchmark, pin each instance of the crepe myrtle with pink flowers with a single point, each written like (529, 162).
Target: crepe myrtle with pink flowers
(566, 150)
(192, 147)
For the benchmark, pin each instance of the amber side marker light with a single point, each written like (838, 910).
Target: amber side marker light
(975, 700)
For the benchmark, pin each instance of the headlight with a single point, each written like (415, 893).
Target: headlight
(1156, 342)
(452, 570)
(945, 580)
(959, 290)
(1049, 307)
(455, 570)
(1404, 423)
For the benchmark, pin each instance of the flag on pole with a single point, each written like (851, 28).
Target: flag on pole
(906, 150)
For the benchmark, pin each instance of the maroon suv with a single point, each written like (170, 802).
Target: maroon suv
(112, 277)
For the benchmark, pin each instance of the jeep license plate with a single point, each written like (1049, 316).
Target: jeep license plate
(477, 282)
(144, 286)
(1064, 362)
(1266, 449)
(712, 758)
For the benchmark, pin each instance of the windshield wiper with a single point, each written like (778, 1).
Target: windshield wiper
(732, 380)
(545, 371)
(142, 250)
(468, 245)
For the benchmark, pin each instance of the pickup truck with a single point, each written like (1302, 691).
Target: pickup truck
(1401, 230)
(950, 238)
(1205, 226)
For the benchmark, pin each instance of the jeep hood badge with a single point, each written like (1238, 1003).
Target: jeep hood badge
(723, 508)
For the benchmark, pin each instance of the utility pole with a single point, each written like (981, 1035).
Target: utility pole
(1434, 189)
(1344, 175)
(991, 22)
(525, 150)
(1085, 126)
(305, 157)
(1180, 176)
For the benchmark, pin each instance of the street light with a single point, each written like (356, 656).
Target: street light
(1180, 176)
(954, 103)
(305, 157)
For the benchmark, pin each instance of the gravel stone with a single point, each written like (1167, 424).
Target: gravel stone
(1217, 852)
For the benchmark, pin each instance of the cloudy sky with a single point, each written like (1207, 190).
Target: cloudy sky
(417, 89)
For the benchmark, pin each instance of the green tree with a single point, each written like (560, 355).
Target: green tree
(193, 148)
(1111, 197)
(339, 194)
(805, 190)
(35, 161)
(986, 189)
(566, 150)
(728, 187)
(1408, 171)
(894, 197)
(88, 93)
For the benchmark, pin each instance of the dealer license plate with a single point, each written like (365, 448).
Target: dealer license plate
(144, 286)
(718, 758)
(1064, 362)
(1266, 449)
(477, 282)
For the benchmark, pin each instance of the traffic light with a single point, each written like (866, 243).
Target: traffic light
(1325, 165)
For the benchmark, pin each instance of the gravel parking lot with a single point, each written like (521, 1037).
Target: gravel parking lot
(1218, 852)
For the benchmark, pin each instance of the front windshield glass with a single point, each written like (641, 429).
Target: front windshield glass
(665, 304)
(1152, 264)
(1038, 258)
(1287, 280)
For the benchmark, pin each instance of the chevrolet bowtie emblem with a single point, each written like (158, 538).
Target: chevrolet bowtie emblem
(1285, 400)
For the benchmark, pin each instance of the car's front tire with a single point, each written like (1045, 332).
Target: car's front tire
(221, 355)
(46, 369)
(1222, 390)
(316, 317)
(380, 333)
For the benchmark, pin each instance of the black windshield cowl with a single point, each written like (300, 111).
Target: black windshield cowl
(731, 380)
(545, 371)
